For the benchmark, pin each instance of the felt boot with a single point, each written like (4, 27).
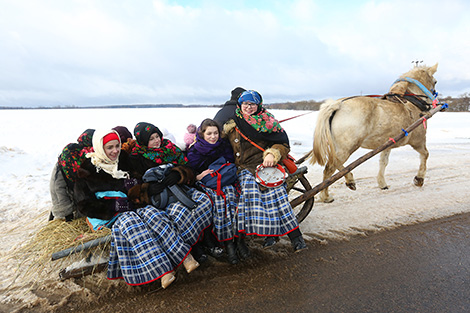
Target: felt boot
(231, 252)
(167, 279)
(190, 264)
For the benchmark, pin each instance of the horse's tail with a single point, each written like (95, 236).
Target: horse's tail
(323, 142)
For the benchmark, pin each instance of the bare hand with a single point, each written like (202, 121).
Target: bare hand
(204, 173)
(268, 160)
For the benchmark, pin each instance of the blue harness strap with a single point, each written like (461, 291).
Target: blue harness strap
(417, 83)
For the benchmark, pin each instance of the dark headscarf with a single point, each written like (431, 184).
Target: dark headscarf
(73, 155)
(123, 132)
(168, 152)
(143, 131)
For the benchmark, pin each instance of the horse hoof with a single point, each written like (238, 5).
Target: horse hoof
(351, 186)
(418, 181)
(384, 188)
(328, 199)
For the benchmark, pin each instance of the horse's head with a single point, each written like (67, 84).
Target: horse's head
(422, 74)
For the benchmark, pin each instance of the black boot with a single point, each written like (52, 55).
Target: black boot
(298, 244)
(211, 244)
(231, 252)
(242, 248)
(269, 242)
(198, 253)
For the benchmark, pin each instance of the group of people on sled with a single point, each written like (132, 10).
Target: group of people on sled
(151, 194)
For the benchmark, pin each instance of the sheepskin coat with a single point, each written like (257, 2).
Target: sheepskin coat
(247, 156)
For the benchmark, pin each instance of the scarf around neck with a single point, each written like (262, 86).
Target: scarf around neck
(166, 153)
(99, 158)
(261, 126)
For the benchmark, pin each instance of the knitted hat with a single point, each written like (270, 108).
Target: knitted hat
(143, 131)
(191, 128)
(123, 132)
(236, 93)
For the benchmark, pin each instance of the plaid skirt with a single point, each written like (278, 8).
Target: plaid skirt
(191, 223)
(145, 245)
(263, 212)
(223, 210)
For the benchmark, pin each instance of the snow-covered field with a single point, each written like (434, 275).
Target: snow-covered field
(31, 140)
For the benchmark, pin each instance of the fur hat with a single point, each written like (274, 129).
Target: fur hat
(236, 93)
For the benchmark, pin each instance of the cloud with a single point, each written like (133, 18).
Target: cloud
(89, 52)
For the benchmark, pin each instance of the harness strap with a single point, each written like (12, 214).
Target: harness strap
(417, 83)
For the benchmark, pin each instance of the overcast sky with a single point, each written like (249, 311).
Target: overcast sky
(87, 52)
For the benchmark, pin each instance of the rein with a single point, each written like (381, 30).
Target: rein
(289, 118)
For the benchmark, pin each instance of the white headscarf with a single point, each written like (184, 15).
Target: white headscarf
(99, 158)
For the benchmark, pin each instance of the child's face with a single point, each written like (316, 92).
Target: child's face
(154, 141)
(211, 135)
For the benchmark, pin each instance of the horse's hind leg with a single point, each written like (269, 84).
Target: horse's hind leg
(423, 155)
(384, 156)
(342, 157)
(327, 172)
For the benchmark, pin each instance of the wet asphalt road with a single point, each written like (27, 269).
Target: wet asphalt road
(419, 268)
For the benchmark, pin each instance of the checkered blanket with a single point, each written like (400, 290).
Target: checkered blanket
(223, 210)
(145, 245)
(191, 223)
(263, 212)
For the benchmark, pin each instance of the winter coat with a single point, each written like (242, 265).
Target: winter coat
(90, 181)
(61, 195)
(247, 156)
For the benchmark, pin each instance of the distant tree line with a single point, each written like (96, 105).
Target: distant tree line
(309, 105)
(459, 104)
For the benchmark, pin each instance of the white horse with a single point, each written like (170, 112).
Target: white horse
(346, 124)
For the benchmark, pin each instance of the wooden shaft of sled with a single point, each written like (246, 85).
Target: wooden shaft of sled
(329, 181)
(87, 245)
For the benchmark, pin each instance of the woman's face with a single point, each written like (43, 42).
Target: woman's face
(249, 108)
(112, 149)
(211, 135)
(154, 141)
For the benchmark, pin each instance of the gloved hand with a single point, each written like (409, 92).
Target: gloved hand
(122, 205)
(130, 182)
(155, 189)
(172, 178)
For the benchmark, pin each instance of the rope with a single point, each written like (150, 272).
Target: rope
(295, 117)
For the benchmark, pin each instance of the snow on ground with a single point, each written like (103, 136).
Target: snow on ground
(32, 139)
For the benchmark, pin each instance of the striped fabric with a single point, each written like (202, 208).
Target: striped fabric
(145, 245)
(191, 223)
(223, 210)
(263, 213)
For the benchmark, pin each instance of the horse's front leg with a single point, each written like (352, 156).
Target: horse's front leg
(383, 162)
(423, 156)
